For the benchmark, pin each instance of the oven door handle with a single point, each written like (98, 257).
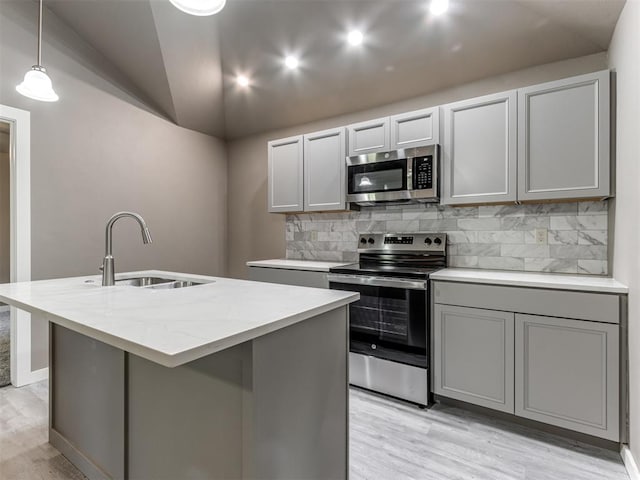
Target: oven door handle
(377, 281)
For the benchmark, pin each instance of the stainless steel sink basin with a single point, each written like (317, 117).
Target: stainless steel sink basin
(156, 282)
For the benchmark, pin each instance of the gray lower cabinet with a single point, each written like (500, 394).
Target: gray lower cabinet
(513, 349)
(479, 152)
(563, 138)
(473, 356)
(324, 169)
(285, 175)
(567, 374)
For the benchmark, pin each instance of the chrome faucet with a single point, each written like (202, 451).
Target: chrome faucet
(108, 269)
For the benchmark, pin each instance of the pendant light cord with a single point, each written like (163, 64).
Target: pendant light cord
(40, 36)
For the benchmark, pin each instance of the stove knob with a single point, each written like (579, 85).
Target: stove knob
(437, 241)
(371, 241)
(363, 241)
(428, 241)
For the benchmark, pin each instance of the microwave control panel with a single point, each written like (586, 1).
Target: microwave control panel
(423, 173)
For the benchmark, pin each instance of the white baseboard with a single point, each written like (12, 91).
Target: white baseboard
(35, 376)
(630, 463)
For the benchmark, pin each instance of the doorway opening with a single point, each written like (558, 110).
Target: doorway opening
(5, 250)
(23, 370)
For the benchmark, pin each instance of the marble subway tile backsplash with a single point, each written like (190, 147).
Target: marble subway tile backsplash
(550, 237)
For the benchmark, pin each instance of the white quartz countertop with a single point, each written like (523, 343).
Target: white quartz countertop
(172, 326)
(557, 281)
(311, 265)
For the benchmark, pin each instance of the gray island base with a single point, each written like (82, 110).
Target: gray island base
(228, 379)
(274, 407)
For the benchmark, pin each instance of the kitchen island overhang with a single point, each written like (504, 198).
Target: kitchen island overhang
(229, 379)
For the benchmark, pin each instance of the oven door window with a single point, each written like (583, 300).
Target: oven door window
(402, 317)
(389, 316)
(388, 176)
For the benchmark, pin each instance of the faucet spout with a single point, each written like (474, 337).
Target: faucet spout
(108, 268)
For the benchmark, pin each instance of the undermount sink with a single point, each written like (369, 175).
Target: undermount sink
(156, 282)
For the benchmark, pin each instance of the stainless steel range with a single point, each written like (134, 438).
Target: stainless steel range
(389, 326)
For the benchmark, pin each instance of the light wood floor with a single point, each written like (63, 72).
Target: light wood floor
(389, 441)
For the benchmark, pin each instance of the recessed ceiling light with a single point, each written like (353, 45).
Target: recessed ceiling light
(243, 80)
(438, 7)
(355, 38)
(291, 62)
(200, 8)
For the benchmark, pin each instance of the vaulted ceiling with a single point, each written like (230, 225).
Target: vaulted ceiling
(186, 65)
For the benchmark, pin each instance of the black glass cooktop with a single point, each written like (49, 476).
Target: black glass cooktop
(404, 271)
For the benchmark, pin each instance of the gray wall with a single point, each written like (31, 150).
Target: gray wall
(100, 150)
(623, 56)
(255, 234)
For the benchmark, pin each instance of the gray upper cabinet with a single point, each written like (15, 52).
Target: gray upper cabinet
(567, 374)
(415, 129)
(473, 356)
(285, 178)
(369, 137)
(563, 138)
(479, 151)
(324, 170)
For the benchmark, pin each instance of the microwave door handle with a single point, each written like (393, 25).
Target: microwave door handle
(378, 281)
(410, 174)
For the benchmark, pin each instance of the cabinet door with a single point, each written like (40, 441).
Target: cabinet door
(567, 374)
(324, 169)
(415, 129)
(369, 137)
(563, 140)
(88, 396)
(285, 175)
(473, 356)
(480, 151)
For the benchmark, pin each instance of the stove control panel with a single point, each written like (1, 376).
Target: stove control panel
(398, 242)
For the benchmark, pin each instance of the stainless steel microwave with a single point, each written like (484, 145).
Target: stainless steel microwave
(401, 176)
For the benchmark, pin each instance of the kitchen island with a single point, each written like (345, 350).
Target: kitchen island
(222, 379)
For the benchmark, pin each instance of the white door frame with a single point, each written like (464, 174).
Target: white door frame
(20, 231)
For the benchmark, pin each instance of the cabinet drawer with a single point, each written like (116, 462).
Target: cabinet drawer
(566, 374)
(598, 307)
(300, 278)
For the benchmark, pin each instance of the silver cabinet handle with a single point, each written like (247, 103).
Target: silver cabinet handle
(377, 281)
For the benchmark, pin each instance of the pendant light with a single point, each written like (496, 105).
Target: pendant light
(201, 8)
(36, 83)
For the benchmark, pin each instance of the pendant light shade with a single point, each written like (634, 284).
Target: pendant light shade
(37, 84)
(201, 8)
